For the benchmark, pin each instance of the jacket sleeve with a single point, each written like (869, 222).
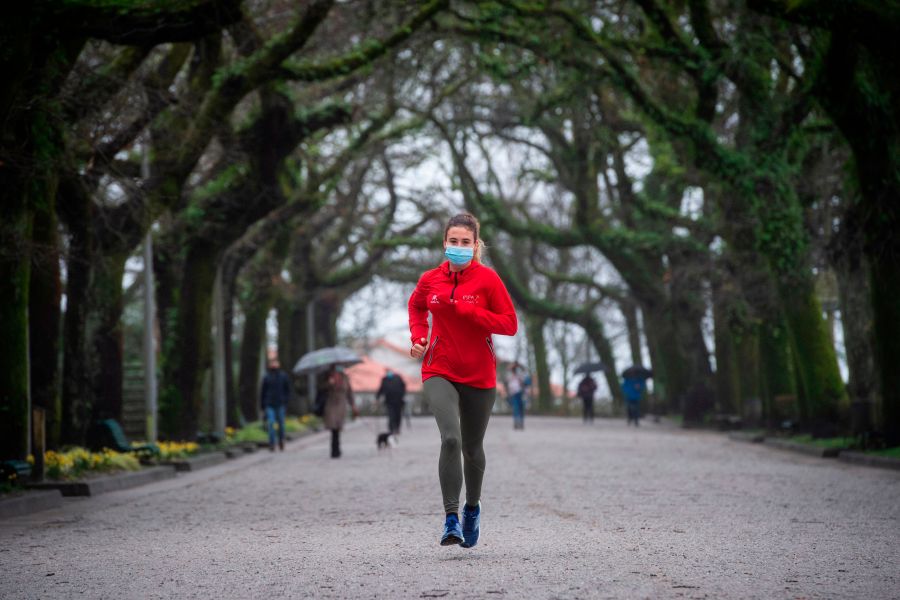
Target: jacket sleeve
(262, 392)
(418, 313)
(499, 316)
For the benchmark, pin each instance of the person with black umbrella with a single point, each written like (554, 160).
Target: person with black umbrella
(339, 398)
(587, 387)
(634, 383)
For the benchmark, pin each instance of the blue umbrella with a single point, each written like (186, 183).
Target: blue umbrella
(321, 359)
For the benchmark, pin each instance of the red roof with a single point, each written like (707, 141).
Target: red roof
(391, 346)
(367, 375)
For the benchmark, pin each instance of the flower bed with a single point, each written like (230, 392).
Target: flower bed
(172, 450)
(77, 462)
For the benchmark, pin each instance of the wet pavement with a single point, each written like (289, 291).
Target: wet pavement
(569, 511)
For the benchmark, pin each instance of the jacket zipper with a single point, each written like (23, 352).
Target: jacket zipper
(431, 358)
(455, 283)
(491, 348)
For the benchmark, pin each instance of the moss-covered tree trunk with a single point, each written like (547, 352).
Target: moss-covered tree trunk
(670, 370)
(858, 87)
(251, 349)
(604, 350)
(778, 381)
(293, 329)
(629, 311)
(328, 304)
(33, 66)
(14, 286)
(727, 378)
(44, 322)
(814, 356)
(105, 339)
(746, 346)
(534, 326)
(855, 301)
(188, 345)
(885, 294)
(16, 154)
(861, 92)
(232, 410)
(76, 389)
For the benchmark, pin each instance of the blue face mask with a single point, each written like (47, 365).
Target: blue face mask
(459, 255)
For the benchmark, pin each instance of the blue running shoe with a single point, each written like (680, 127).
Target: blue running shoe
(452, 531)
(471, 525)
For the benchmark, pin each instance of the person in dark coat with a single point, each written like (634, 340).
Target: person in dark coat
(274, 397)
(586, 389)
(394, 390)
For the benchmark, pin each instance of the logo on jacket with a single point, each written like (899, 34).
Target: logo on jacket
(473, 298)
(434, 299)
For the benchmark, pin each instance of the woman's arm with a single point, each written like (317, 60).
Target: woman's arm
(499, 316)
(418, 313)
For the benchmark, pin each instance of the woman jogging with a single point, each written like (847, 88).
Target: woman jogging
(468, 303)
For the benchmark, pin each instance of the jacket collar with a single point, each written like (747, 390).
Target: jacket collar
(464, 274)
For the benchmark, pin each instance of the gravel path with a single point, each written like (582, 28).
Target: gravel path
(570, 511)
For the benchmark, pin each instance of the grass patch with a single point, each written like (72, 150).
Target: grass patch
(9, 487)
(251, 432)
(833, 442)
(256, 431)
(675, 419)
(889, 452)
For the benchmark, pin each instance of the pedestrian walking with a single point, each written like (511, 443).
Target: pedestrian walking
(633, 389)
(339, 398)
(393, 389)
(274, 396)
(468, 304)
(586, 389)
(515, 394)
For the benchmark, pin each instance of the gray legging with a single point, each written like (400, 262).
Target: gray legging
(462, 413)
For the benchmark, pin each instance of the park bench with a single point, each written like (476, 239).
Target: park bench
(108, 434)
(14, 470)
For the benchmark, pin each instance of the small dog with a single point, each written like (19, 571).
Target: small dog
(386, 440)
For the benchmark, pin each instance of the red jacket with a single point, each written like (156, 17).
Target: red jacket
(466, 307)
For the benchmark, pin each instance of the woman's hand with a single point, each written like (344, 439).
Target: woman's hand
(418, 350)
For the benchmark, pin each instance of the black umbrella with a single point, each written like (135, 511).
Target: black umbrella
(589, 367)
(637, 372)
